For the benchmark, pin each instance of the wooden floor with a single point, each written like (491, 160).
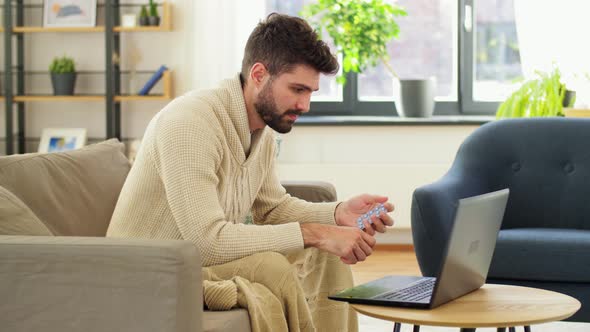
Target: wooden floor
(385, 261)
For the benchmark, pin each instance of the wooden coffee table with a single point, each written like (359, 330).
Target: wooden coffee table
(492, 305)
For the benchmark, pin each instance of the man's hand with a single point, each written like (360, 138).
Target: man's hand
(349, 243)
(349, 211)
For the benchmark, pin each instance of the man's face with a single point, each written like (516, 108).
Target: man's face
(286, 96)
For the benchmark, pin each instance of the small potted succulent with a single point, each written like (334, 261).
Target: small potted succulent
(63, 75)
(154, 19)
(143, 16)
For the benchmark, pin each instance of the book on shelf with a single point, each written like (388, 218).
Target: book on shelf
(152, 81)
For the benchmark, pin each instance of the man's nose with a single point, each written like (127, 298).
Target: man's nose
(303, 104)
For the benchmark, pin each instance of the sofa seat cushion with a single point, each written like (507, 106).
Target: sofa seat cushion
(73, 192)
(542, 254)
(17, 219)
(235, 320)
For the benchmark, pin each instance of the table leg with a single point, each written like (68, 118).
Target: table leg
(397, 328)
(513, 329)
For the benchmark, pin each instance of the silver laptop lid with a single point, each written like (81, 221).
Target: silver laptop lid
(471, 246)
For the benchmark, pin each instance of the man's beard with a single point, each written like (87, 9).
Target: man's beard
(266, 107)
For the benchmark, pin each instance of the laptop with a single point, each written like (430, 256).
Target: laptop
(464, 267)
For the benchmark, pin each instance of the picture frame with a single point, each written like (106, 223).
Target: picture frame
(129, 20)
(69, 13)
(62, 139)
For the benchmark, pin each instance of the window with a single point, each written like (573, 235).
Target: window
(475, 61)
(497, 60)
(330, 91)
(427, 47)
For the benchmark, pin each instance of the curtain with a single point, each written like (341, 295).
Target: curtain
(553, 33)
(220, 31)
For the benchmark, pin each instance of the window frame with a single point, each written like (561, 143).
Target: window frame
(466, 76)
(465, 105)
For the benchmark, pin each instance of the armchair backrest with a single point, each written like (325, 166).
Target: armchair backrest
(544, 161)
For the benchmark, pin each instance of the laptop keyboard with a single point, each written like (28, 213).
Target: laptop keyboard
(415, 292)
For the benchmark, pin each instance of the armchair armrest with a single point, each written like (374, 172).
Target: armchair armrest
(433, 211)
(311, 191)
(99, 284)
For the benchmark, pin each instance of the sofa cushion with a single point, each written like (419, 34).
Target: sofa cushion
(542, 254)
(73, 192)
(17, 219)
(235, 320)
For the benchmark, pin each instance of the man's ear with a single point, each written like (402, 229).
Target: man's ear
(258, 74)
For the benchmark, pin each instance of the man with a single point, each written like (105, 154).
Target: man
(207, 162)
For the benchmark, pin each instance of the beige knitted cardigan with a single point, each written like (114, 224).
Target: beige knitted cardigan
(199, 173)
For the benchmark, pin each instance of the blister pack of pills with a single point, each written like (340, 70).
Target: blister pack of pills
(376, 211)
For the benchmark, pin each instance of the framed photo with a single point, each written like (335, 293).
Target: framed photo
(69, 13)
(129, 20)
(62, 139)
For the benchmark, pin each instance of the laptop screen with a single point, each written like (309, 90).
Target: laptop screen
(471, 246)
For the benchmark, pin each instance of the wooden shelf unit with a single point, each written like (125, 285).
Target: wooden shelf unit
(165, 25)
(113, 105)
(167, 91)
(58, 98)
(166, 95)
(140, 98)
(32, 29)
(141, 29)
(165, 22)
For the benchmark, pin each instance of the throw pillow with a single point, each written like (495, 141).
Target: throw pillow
(74, 192)
(17, 219)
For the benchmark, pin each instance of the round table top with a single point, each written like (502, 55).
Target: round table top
(490, 306)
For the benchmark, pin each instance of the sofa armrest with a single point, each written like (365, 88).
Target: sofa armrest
(88, 284)
(311, 191)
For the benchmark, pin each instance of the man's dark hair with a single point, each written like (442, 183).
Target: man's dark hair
(281, 42)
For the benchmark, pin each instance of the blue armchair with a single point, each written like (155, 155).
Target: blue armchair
(544, 241)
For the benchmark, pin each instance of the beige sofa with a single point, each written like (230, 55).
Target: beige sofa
(57, 271)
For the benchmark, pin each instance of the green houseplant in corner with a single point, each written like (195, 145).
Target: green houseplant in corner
(63, 75)
(361, 31)
(543, 96)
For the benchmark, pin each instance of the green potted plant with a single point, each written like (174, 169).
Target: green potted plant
(63, 75)
(543, 96)
(143, 16)
(154, 18)
(361, 30)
